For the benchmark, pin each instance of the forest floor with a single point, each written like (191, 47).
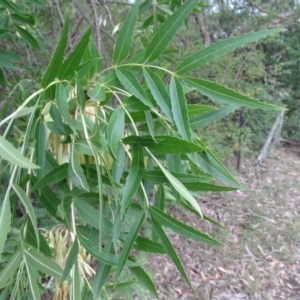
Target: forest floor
(261, 256)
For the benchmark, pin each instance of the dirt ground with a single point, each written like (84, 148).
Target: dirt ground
(261, 256)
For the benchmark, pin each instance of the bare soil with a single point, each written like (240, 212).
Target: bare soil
(261, 256)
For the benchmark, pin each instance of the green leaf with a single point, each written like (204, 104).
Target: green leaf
(72, 259)
(131, 84)
(57, 174)
(163, 144)
(33, 241)
(178, 186)
(23, 18)
(159, 92)
(170, 251)
(206, 187)
(144, 279)
(195, 109)
(61, 96)
(146, 245)
(76, 283)
(33, 286)
(58, 56)
(9, 5)
(133, 179)
(5, 220)
(206, 55)
(10, 268)
(70, 65)
(158, 177)
(115, 129)
(179, 109)
(76, 173)
(97, 93)
(13, 156)
(43, 264)
(29, 208)
(166, 31)
(211, 116)
(124, 39)
(181, 228)
(28, 38)
(88, 213)
(49, 200)
(40, 147)
(130, 239)
(223, 94)
(103, 256)
(211, 165)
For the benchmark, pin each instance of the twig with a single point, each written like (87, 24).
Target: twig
(96, 24)
(60, 15)
(104, 5)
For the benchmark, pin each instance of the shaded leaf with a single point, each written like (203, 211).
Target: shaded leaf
(33, 286)
(5, 220)
(57, 174)
(28, 38)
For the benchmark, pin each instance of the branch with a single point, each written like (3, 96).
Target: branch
(60, 15)
(96, 24)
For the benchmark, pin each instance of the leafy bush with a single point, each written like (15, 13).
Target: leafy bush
(104, 151)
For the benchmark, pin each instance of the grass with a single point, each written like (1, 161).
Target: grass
(261, 256)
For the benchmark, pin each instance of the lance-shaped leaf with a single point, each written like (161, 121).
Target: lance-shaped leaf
(115, 129)
(158, 177)
(163, 144)
(40, 147)
(178, 186)
(170, 250)
(13, 156)
(143, 278)
(133, 179)
(195, 109)
(72, 259)
(166, 31)
(206, 187)
(211, 165)
(76, 173)
(211, 116)
(159, 92)
(5, 219)
(181, 228)
(10, 268)
(70, 65)
(29, 208)
(220, 48)
(179, 109)
(33, 286)
(146, 245)
(131, 84)
(221, 93)
(28, 38)
(103, 256)
(124, 39)
(43, 264)
(130, 239)
(57, 174)
(57, 57)
(61, 96)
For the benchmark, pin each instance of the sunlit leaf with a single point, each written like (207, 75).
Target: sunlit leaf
(5, 219)
(179, 109)
(166, 31)
(130, 239)
(181, 228)
(32, 281)
(220, 48)
(123, 42)
(115, 129)
(13, 156)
